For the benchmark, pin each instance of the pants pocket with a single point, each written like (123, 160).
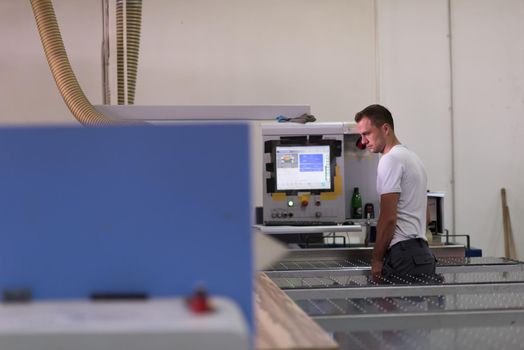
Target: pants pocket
(423, 263)
(423, 259)
(400, 263)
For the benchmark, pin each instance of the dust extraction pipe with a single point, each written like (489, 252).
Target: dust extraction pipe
(121, 92)
(64, 77)
(133, 25)
(127, 57)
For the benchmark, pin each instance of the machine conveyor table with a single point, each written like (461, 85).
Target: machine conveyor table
(321, 264)
(464, 338)
(361, 266)
(455, 309)
(351, 281)
(363, 286)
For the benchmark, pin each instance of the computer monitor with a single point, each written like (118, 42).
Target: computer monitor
(303, 168)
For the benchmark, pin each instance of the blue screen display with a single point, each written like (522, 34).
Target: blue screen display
(311, 162)
(303, 168)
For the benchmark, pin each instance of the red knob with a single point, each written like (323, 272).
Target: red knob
(304, 203)
(199, 302)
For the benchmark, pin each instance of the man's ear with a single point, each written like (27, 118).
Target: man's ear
(386, 128)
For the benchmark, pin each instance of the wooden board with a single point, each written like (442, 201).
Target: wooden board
(509, 243)
(281, 324)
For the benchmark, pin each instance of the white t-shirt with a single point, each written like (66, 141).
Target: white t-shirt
(401, 171)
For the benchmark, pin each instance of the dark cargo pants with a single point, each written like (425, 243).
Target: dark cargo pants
(411, 258)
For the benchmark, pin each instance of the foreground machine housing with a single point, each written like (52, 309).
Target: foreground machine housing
(106, 214)
(310, 172)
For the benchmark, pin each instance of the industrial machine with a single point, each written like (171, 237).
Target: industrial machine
(473, 303)
(310, 172)
(106, 231)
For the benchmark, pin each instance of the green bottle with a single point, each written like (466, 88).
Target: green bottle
(356, 204)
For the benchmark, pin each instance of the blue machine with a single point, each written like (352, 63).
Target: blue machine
(155, 210)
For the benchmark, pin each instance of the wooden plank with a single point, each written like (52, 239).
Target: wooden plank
(509, 243)
(505, 222)
(281, 324)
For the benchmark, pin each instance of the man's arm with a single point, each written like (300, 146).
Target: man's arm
(385, 229)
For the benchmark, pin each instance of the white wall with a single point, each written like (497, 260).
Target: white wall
(488, 60)
(28, 93)
(488, 100)
(320, 53)
(271, 52)
(414, 82)
(258, 52)
(293, 52)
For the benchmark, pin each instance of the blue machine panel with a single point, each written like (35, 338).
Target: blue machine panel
(126, 209)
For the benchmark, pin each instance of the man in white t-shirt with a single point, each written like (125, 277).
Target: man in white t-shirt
(401, 248)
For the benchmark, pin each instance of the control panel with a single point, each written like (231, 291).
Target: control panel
(306, 170)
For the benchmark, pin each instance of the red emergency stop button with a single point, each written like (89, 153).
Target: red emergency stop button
(199, 302)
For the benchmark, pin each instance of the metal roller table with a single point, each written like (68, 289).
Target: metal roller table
(333, 265)
(463, 338)
(469, 296)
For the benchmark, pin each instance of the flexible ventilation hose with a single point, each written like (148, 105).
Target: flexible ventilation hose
(127, 56)
(133, 24)
(106, 91)
(121, 89)
(64, 77)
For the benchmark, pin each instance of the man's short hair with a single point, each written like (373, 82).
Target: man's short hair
(377, 114)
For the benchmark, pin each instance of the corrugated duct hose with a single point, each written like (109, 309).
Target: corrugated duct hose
(65, 79)
(133, 26)
(121, 83)
(133, 21)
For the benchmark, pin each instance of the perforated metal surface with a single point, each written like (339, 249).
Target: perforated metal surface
(485, 260)
(403, 305)
(458, 299)
(353, 281)
(319, 264)
(464, 338)
(312, 264)
(467, 292)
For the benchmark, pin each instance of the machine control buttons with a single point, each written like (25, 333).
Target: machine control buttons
(290, 203)
(199, 302)
(318, 214)
(304, 203)
(317, 203)
(281, 214)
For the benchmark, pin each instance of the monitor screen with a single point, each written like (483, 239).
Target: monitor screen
(303, 168)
